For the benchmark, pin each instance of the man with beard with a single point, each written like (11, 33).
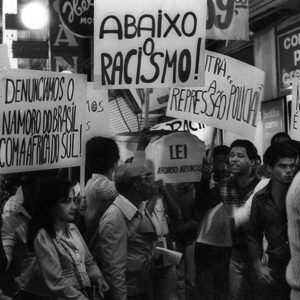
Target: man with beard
(268, 217)
(233, 193)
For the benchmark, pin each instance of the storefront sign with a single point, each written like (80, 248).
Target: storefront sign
(272, 116)
(77, 16)
(227, 20)
(41, 117)
(288, 46)
(295, 114)
(230, 99)
(149, 43)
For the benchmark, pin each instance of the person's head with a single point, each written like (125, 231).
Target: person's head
(221, 160)
(135, 181)
(280, 162)
(102, 155)
(52, 204)
(242, 157)
(280, 137)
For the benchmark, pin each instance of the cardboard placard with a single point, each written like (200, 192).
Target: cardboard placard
(149, 43)
(41, 117)
(176, 158)
(230, 99)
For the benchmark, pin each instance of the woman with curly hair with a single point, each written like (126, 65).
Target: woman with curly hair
(66, 264)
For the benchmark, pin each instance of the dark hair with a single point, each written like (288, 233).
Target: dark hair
(278, 151)
(250, 148)
(124, 187)
(279, 135)
(101, 154)
(220, 150)
(49, 192)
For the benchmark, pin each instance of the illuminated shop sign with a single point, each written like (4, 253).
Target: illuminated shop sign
(288, 48)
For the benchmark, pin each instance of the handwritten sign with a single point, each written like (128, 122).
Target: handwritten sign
(227, 20)
(41, 117)
(230, 99)
(97, 113)
(295, 115)
(176, 157)
(149, 43)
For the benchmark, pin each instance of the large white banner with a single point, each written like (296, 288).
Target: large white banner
(176, 157)
(295, 114)
(149, 43)
(227, 20)
(230, 99)
(41, 117)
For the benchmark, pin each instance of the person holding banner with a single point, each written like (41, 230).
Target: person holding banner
(65, 263)
(233, 193)
(102, 156)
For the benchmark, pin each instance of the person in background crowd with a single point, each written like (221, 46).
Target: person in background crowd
(268, 216)
(102, 156)
(13, 186)
(293, 218)
(184, 232)
(163, 210)
(3, 259)
(21, 277)
(280, 137)
(211, 253)
(126, 236)
(66, 265)
(233, 192)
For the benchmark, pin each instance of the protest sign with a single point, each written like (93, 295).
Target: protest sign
(149, 43)
(227, 20)
(41, 117)
(176, 158)
(230, 99)
(295, 115)
(97, 114)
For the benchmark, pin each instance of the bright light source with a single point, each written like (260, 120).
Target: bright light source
(35, 15)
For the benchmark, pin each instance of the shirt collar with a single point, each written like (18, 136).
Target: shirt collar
(127, 208)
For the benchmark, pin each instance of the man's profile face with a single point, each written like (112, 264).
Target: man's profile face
(283, 170)
(239, 162)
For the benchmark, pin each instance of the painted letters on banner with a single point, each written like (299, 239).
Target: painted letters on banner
(295, 115)
(230, 99)
(227, 20)
(149, 43)
(97, 113)
(176, 157)
(41, 117)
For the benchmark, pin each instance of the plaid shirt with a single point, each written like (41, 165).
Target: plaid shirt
(100, 194)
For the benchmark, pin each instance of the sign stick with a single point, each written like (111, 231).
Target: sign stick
(146, 111)
(212, 144)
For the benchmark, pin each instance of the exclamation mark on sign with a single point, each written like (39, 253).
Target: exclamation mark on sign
(197, 58)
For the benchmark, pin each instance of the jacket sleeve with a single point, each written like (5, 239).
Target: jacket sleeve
(3, 259)
(48, 261)
(113, 251)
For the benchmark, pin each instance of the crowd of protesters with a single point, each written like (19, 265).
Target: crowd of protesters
(237, 230)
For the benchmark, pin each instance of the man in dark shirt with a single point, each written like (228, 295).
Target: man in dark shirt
(233, 192)
(268, 217)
